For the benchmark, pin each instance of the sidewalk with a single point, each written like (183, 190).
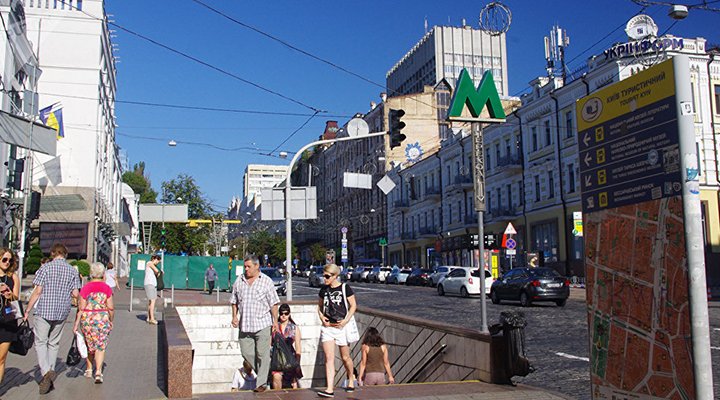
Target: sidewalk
(132, 370)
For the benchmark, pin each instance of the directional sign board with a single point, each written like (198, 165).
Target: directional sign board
(628, 141)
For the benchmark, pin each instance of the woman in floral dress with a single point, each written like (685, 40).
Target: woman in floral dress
(95, 316)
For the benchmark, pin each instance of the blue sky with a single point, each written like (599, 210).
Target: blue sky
(367, 38)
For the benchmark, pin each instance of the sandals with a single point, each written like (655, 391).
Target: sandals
(323, 393)
(99, 378)
(88, 373)
(152, 322)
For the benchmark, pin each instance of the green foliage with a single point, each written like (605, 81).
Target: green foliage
(82, 266)
(139, 183)
(262, 242)
(181, 238)
(317, 253)
(32, 264)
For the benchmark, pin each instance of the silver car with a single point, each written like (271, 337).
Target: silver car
(440, 273)
(278, 279)
(398, 276)
(316, 277)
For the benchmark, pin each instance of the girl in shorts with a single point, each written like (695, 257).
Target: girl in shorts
(336, 307)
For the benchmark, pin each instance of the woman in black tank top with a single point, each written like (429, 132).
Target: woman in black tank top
(9, 291)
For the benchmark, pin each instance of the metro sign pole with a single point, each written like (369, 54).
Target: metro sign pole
(476, 100)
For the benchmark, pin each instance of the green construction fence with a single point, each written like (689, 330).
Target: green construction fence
(185, 272)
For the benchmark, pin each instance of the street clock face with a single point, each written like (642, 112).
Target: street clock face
(640, 27)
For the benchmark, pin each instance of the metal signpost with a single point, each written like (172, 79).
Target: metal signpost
(476, 100)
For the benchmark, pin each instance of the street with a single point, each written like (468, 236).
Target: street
(556, 337)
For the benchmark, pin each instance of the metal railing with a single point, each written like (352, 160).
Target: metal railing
(471, 219)
(401, 204)
(511, 160)
(428, 230)
(432, 191)
(408, 235)
(503, 212)
(462, 179)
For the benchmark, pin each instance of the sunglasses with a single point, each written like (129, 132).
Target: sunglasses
(285, 313)
(327, 276)
(5, 259)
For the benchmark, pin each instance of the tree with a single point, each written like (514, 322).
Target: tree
(180, 238)
(317, 252)
(140, 183)
(260, 243)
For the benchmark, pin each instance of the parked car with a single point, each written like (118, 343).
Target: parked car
(378, 274)
(346, 273)
(440, 273)
(529, 285)
(419, 277)
(397, 276)
(360, 274)
(278, 279)
(464, 281)
(316, 277)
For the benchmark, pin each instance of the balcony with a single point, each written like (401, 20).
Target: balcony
(401, 205)
(461, 182)
(408, 236)
(428, 232)
(471, 219)
(503, 213)
(433, 193)
(510, 162)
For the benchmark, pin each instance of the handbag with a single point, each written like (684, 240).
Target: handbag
(160, 281)
(283, 356)
(24, 341)
(73, 357)
(11, 310)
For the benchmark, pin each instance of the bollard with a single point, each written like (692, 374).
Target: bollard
(172, 293)
(217, 291)
(131, 292)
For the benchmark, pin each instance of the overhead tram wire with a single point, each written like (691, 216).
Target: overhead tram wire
(199, 61)
(292, 134)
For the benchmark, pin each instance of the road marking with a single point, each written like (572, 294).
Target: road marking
(716, 329)
(572, 356)
(715, 347)
(356, 288)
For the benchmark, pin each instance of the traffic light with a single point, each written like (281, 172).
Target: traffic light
(163, 242)
(396, 137)
(34, 206)
(490, 241)
(474, 240)
(16, 181)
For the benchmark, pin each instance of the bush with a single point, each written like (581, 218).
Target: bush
(32, 263)
(82, 266)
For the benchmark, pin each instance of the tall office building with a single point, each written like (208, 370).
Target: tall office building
(442, 53)
(258, 177)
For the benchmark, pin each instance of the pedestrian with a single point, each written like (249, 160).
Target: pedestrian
(9, 291)
(151, 273)
(56, 283)
(111, 276)
(255, 311)
(244, 378)
(290, 333)
(374, 362)
(336, 307)
(211, 276)
(95, 315)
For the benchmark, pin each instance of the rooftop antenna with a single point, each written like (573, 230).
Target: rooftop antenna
(555, 52)
(426, 25)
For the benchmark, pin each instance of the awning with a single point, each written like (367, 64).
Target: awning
(16, 130)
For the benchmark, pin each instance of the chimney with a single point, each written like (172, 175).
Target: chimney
(373, 105)
(331, 129)
(383, 96)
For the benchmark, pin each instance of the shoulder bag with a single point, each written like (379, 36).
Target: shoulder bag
(24, 341)
(353, 333)
(160, 281)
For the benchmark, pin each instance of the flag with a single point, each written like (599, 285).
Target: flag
(503, 244)
(52, 117)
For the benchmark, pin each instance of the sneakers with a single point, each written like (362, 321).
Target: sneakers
(323, 393)
(260, 389)
(99, 378)
(88, 373)
(46, 383)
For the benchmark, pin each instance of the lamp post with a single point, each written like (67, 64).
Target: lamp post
(288, 219)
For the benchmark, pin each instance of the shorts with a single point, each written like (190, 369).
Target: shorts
(342, 336)
(150, 292)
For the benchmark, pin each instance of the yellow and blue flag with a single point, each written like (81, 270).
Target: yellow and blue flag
(52, 117)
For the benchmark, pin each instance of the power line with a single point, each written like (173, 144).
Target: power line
(199, 61)
(292, 134)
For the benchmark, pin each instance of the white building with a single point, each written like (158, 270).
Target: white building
(258, 177)
(81, 186)
(442, 53)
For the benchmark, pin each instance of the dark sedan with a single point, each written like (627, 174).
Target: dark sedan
(419, 277)
(529, 285)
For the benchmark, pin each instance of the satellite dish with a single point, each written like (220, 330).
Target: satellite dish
(357, 127)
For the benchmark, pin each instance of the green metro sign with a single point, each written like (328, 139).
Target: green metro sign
(486, 95)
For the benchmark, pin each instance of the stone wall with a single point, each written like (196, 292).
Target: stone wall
(419, 350)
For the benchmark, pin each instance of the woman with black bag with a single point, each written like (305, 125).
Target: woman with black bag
(9, 292)
(290, 333)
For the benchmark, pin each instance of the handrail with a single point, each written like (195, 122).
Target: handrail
(429, 360)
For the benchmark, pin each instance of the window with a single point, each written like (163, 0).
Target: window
(534, 139)
(571, 178)
(568, 124)
(499, 198)
(459, 211)
(551, 185)
(537, 187)
(717, 99)
(488, 159)
(509, 196)
(547, 133)
(497, 153)
(507, 148)
(544, 239)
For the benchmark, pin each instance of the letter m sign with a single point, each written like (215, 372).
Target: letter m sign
(486, 95)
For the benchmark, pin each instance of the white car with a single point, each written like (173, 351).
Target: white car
(440, 273)
(464, 282)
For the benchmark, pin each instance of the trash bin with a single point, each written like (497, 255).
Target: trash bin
(513, 327)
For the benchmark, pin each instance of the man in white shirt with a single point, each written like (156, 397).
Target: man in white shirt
(255, 311)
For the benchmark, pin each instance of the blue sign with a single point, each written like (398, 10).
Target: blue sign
(510, 244)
